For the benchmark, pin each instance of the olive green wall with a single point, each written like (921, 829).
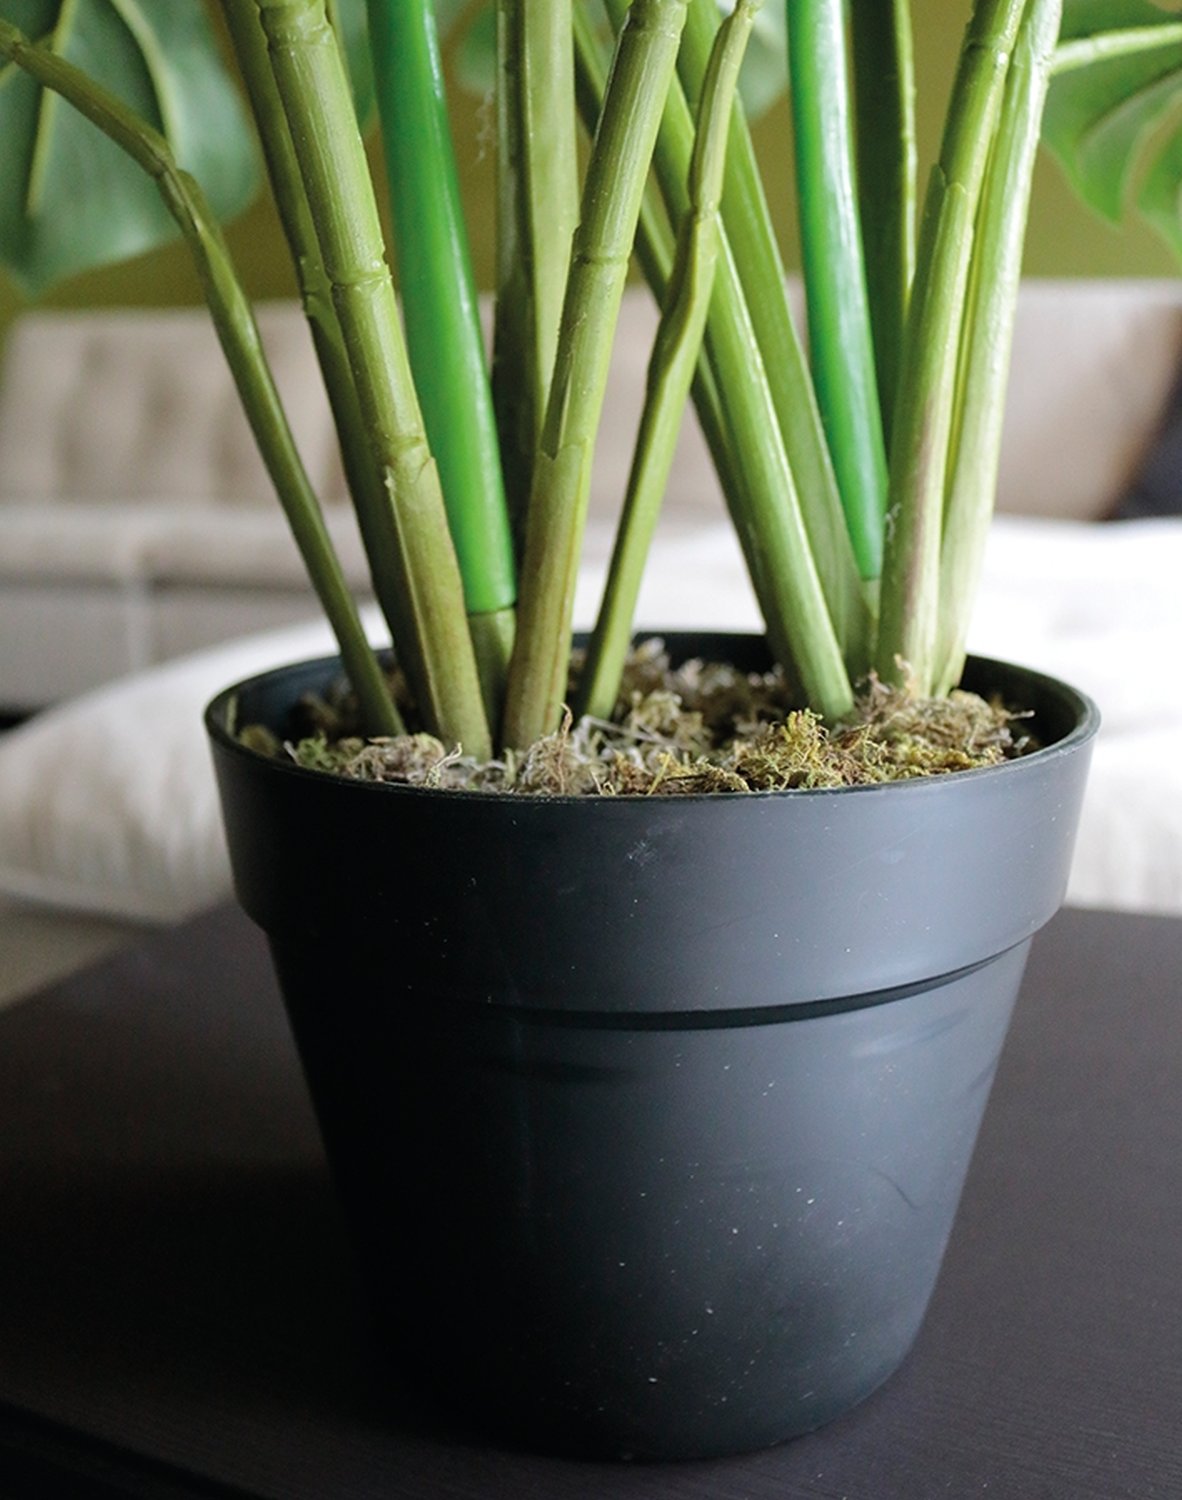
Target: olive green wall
(1065, 239)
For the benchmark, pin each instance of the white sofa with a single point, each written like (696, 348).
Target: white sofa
(136, 525)
(136, 522)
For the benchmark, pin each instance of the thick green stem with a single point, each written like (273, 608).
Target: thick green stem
(310, 75)
(748, 225)
(884, 115)
(907, 638)
(985, 355)
(439, 307)
(374, 517)
(239, 336)
(840, 343)
(537, 210)
(671, 370)
(646, 55)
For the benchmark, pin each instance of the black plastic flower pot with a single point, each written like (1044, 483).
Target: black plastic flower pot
(650, 1115)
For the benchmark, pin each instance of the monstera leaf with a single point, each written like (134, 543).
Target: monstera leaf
(70, 199)
(1114, 114)
(765, 67)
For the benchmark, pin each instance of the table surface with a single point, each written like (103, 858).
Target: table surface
(178, 1316)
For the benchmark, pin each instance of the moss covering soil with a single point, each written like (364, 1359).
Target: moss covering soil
(700, 727)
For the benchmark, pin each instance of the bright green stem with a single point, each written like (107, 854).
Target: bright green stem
(439, 305)
(374, 516)
(840, 341)
(537, 209)
(646, 54)
(670, 372)
(314, 88)
(239, 336)
(884, 114)
(768, 509)
(985, 354)
(908, 623)
(749, 230)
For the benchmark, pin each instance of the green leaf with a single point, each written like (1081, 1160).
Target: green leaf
(1160, 196)
(69, 198)
(1114, 114)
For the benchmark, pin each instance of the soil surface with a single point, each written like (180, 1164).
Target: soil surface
(700, 727)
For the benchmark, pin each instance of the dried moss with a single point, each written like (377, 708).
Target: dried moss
(700, 727)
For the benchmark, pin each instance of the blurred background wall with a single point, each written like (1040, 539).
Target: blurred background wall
(1065, 238)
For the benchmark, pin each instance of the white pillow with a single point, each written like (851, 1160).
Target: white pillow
(108, 804)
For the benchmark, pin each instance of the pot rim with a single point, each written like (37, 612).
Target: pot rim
(1084, 710)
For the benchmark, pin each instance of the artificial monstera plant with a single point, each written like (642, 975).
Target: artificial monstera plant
(860, 478)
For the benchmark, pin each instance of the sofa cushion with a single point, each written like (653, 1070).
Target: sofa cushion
(165, 543)
(136, 406)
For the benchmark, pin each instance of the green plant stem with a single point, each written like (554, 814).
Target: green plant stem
(790, 577)
(646, 54)
(1128, 41)
(537, 210)
(57, 41)
(375, 517)
(239, 337)
(884, 113)
(908, 620)
(655, 250)
(840, 342)
(749, 231)
(671, 370)
(439, 307)
(985, 356)
(314, 89)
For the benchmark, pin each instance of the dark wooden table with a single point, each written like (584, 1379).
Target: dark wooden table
(177, 1315)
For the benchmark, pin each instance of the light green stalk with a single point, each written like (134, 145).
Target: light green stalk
(670, 371)
(537, 210)
(840, 342)
(748, 225)
(907, 639)
(1127, 41)
(375, 517)
(1001, 230)
(239, 336)
(884, 115)
(646, 54)
(313, 86)
(655, 250)
(791, 574)
(439, 307)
